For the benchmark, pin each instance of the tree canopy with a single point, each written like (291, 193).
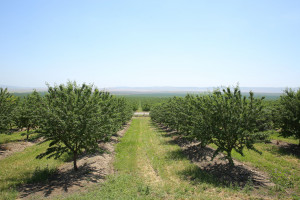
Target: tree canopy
(225, 118)
(8, 103)
(290, 113)
(29, 111)
(76, 117)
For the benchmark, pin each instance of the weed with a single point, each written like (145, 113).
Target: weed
(282, 178)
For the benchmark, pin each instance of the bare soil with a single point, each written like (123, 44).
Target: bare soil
(13, 147)
(141, 114)
(240, 175)
(91, 169)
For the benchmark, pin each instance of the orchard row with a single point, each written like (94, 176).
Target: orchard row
(74, 118)
(230, 120)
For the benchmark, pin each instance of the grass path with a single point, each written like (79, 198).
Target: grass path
(149, 166)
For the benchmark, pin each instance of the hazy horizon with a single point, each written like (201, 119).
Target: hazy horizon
(156, 89)
(150, 43)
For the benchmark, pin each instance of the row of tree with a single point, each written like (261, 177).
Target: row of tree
(229, 119)
(8, 103)
(148, 102)
(74, 118)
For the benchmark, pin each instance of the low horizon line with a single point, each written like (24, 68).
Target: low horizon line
(40, 87)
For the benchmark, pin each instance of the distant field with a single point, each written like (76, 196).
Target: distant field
(268, 96)
(27, 93)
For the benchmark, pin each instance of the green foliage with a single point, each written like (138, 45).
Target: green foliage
(77, 117)
(290, 114)
(169, 113)
(144, 103)
(201, 119)
(146, 107)
(7, 105)
(226, 118)
(114, 112)
(148, 102)
(271, 117)
(28, 112)
(233, 121)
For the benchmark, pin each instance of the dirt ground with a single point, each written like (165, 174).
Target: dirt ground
(141, 114)
(13, 147)
(240, 175)
(91, 169)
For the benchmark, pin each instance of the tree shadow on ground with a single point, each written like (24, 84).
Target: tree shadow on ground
(286, 149)
(175, 155)
(221, 175)
(3, 148)
(62, 181)
(47, 182)
(217, 172)
(92, 168)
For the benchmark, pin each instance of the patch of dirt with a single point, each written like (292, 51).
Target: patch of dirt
(239, 175)
(91, 169)
(287, 148)
(141, 114)
(13, 147)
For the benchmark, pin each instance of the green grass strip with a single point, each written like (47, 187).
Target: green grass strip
(149, 166)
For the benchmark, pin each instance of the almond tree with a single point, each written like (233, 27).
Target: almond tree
(8, 103)
(74, 120)
(28, 112)
(225, 118)
(231, 119)
(290, 114)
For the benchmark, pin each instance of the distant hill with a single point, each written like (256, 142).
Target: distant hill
(190, 89)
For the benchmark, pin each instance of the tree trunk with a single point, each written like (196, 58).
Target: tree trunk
(27, 136)
(231, 164)
(75, 161)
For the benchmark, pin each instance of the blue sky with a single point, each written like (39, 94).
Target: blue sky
(150, 43)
